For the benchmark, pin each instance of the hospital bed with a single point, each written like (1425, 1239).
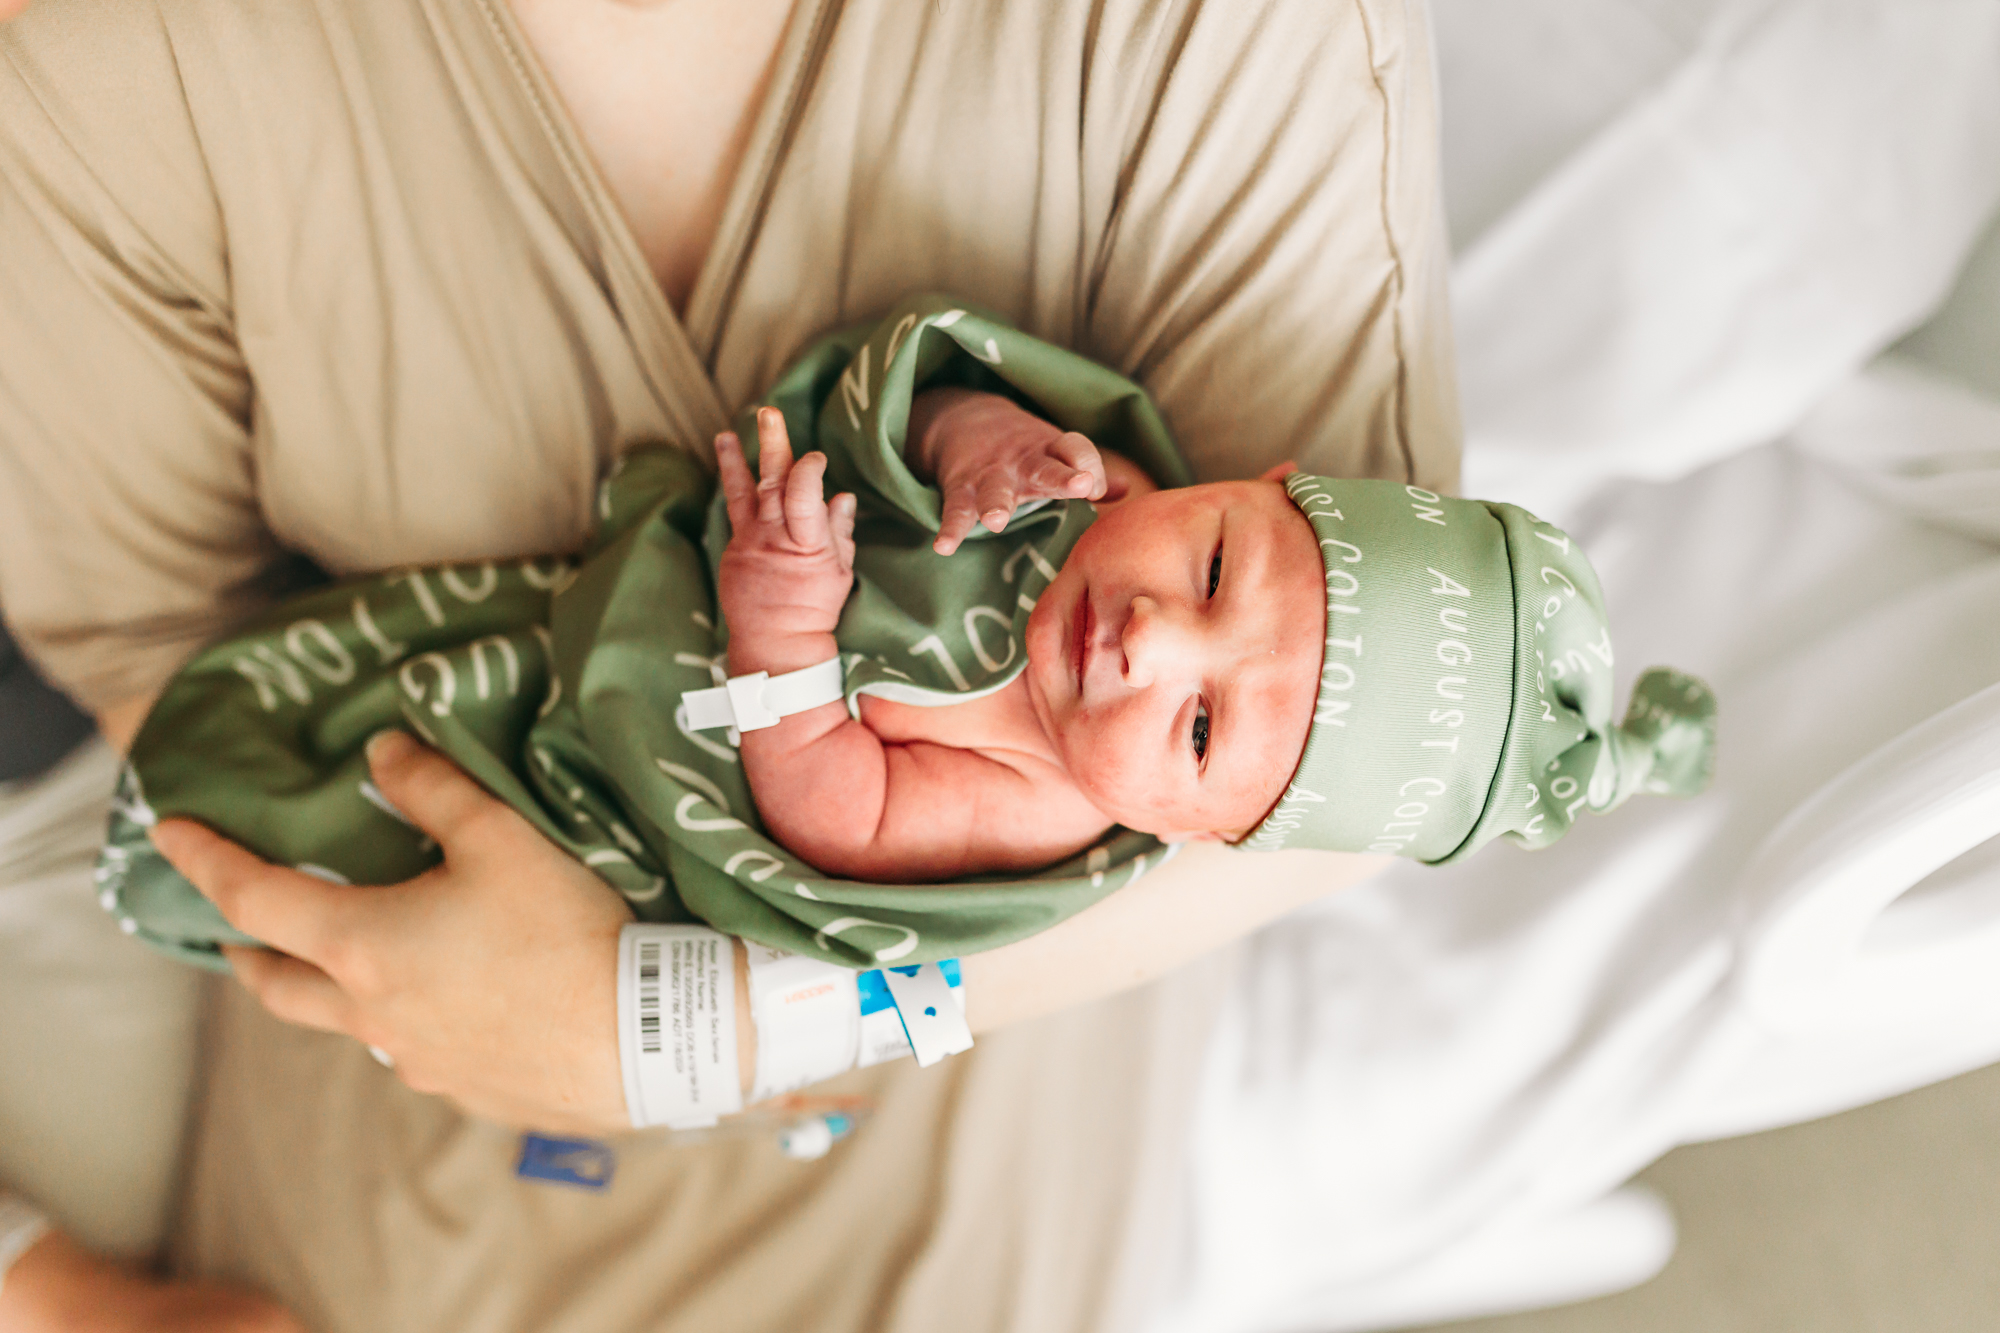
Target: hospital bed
(1694, 239)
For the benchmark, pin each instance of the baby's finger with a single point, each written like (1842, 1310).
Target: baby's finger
(1081, 454)
(774, 463)
(1053, 477)
(806, 518)
(739, 492)
(996, 502)
(842, 510)
(961, 511)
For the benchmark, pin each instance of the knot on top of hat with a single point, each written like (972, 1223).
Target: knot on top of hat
(1668, 735)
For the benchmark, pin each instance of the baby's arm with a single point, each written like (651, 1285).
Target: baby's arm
(827, 787)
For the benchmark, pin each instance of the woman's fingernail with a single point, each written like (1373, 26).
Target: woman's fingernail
(386, 745)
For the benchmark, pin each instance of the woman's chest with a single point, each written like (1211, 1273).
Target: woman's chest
(664, 96)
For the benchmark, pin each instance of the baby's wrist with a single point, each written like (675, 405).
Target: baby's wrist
(778, 653)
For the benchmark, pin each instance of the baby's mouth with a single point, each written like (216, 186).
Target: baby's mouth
(1080, 627)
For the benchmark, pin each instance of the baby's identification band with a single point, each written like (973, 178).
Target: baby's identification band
(677, 1025)
(759, 700)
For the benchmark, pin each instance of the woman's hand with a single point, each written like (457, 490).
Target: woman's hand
(490, 980)
(988, 456)
(790, 561)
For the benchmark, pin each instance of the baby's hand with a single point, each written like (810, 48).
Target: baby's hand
(790, 560)
(991, 456)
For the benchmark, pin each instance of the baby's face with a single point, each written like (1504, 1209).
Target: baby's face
(1175, 659)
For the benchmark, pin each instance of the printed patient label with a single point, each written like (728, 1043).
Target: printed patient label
(677, 1025)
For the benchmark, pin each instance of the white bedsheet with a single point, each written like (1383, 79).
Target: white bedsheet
(1427, 1090)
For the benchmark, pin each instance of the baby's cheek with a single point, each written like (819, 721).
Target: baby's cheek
(1095, 763)
(1128, 792)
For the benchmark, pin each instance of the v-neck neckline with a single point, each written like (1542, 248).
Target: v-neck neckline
(676, 352)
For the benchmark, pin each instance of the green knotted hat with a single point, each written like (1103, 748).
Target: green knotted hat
(1466, 686)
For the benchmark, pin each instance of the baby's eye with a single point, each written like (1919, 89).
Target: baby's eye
(1201, 731)
(1214, 573)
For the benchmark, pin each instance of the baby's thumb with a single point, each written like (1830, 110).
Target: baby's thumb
(842, 517)
(426, 788)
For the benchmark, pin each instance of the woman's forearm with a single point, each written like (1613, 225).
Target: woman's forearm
(1206, 897)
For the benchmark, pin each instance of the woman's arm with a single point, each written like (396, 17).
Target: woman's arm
(492, 979)
(1141, 933)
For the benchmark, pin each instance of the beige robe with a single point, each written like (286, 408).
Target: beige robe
(338, 276)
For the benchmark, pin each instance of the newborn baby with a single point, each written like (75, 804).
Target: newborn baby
(1042, 654)
(1171, 665)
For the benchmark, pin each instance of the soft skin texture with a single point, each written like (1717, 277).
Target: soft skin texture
(1174, 660)
(1170, 676)
(988, 456)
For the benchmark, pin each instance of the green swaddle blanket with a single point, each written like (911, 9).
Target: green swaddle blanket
(558, 684)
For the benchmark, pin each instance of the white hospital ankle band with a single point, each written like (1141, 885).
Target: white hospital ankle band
(677, 1025)
(21, 1225)
(808, 1018)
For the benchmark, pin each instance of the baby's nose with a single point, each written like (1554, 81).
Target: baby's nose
(1155, 641)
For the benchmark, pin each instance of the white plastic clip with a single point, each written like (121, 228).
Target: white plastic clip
(759, 700)
(933, 1018)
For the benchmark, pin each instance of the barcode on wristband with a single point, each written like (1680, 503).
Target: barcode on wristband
(677, 1025)
(649, 997)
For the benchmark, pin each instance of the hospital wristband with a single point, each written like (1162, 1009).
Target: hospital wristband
(759, 700)
(677, 1025)
(808, 1019)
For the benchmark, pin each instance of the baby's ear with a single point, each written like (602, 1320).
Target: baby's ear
(1279, 472)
